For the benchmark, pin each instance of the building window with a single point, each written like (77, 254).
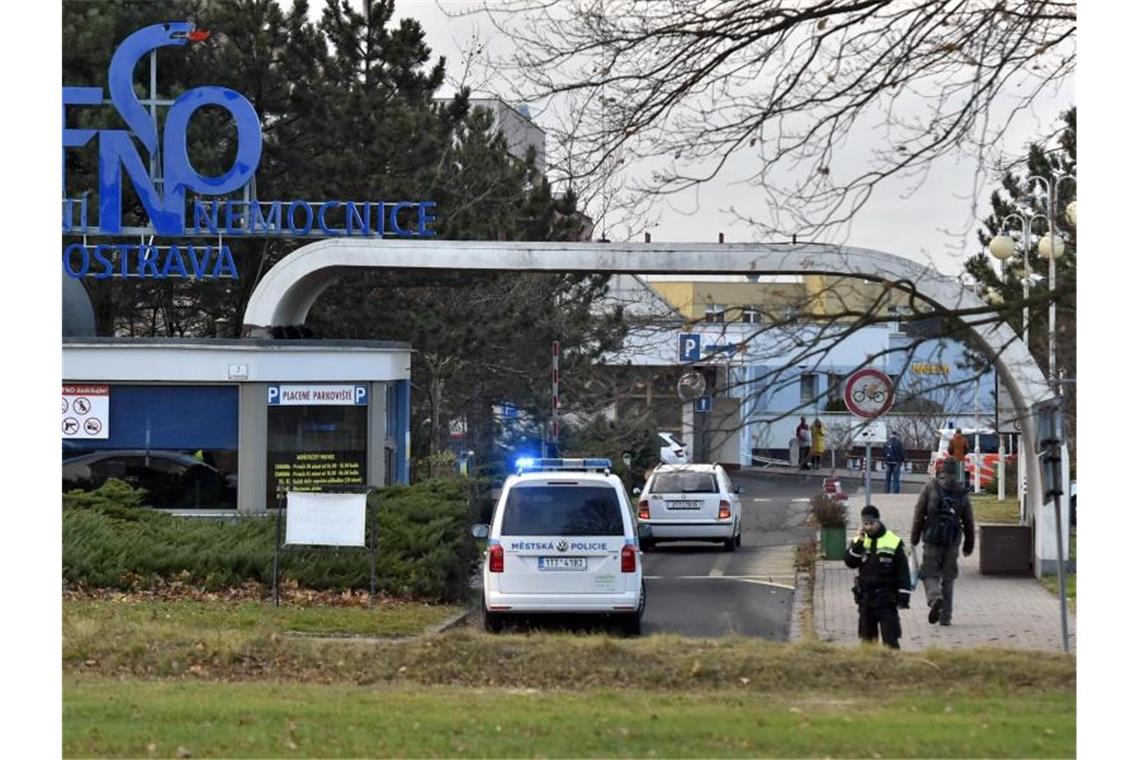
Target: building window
(177, 443)
(750, 315)
(834, 387)
(807, 388)
(714, 312)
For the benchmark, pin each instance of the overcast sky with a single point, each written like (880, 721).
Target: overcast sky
(935, 223)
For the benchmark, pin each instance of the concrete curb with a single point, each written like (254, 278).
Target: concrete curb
(801, 601)
(452, 622)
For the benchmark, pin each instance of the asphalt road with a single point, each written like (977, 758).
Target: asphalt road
(697, 589)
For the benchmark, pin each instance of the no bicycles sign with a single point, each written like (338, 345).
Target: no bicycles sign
(869, 393)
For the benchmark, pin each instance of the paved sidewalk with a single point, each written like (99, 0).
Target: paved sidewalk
(989, 610)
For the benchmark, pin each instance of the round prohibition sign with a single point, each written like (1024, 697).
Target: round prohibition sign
(65, 405)
(868, 393)
(81, 405)
(92, 426)
(70, 425)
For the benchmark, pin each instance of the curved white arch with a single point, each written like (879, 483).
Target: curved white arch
(287, 292)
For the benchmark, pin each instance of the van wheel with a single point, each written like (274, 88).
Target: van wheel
(631, 626)
(631, 623)
(492, 621)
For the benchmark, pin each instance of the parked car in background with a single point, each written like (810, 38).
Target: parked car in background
(673, 451)
(171, 479)
(690, 502)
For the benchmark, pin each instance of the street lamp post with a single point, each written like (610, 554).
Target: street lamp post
(1003, 247)
(1051, 247)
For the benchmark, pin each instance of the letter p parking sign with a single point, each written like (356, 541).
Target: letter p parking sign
(689, 347)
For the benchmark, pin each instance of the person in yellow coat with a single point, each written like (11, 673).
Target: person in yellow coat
(817, 443)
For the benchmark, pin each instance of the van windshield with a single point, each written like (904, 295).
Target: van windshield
(562, 510)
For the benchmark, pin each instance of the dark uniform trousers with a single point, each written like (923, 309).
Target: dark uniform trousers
(877, 616)
(884, 582)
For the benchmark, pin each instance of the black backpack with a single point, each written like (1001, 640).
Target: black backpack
(946, 527)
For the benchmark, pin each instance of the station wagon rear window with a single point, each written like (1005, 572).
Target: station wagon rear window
(684, 482)
(562, 510)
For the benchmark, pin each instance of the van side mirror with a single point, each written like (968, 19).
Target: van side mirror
(481, 530)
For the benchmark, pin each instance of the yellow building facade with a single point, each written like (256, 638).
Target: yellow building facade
(809, 296)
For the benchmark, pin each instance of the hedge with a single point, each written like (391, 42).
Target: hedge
(425, 550)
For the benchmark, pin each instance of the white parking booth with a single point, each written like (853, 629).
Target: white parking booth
(219, 426)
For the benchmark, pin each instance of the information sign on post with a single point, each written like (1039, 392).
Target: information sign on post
(869, 393)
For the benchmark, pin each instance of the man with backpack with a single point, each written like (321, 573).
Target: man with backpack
(944, 522)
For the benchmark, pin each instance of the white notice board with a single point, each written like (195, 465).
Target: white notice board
(874, 431)
(325, 519)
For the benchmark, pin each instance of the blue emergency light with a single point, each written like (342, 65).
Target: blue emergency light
(529, 464)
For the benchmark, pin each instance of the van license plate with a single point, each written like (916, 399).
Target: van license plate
(561, 563)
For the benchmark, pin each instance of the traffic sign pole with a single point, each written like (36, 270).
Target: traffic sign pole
(867, 475)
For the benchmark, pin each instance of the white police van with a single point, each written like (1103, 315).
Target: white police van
(563, 539)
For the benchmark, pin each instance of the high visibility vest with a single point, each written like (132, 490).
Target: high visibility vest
(887, 543)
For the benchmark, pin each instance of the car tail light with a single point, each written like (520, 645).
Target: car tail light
(496, 559)
(724, 513)
(628, 559)
(643, 510)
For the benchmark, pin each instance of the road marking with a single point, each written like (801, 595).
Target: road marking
(718, 567)
(796, 501)
(757, 498)
(766, 583)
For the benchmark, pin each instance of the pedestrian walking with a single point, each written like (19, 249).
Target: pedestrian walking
(804, 437)
(895, 457)
(944, 522)
(817, 443)
(958, 448)
(882, 586)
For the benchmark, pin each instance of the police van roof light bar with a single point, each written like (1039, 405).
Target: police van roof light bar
(596, 464)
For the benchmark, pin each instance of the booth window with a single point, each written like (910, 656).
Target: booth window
(177, 443)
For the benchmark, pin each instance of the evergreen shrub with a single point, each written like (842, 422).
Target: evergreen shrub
(425, 549)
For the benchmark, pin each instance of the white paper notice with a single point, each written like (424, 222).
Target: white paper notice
(325, 519)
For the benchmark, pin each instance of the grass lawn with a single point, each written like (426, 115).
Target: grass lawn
(987, 508)
(204, 678)
(137, 718)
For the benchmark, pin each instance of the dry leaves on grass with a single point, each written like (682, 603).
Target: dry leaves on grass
(180, 589)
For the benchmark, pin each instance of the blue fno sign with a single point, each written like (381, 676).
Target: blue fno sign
(164, 180)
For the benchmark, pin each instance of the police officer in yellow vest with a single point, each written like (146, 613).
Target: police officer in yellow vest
(883, 584)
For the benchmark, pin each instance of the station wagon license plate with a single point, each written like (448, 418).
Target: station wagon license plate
(682, 505)
(561, 563)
